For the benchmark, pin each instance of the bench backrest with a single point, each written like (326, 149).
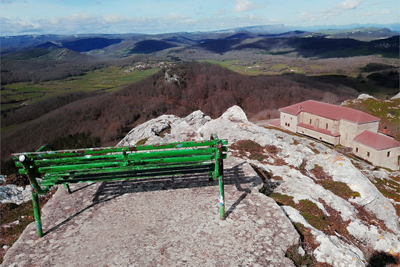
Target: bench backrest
(116, 163)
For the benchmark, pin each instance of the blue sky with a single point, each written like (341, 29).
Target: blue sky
(162, 16)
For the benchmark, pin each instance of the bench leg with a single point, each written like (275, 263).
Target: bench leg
(36, 211)
(67, 187)
(221, 198)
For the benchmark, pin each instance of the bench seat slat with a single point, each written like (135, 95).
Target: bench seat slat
(22, 171)
(63, 168)
(127, 174)
(147, 168)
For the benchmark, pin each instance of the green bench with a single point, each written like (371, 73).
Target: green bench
(120, 163)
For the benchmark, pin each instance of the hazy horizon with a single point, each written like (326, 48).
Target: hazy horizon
(24, 17)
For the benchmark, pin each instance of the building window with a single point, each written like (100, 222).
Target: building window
(388, 154)
(288, 124)
(356, 149)
(310, 121)
(320, 138)
(368, 154)
(326, 126)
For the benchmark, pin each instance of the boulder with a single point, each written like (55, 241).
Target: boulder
(396, 96)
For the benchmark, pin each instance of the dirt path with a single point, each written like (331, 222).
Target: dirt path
(160, 223)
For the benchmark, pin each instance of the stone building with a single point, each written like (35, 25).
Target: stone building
(344, 126)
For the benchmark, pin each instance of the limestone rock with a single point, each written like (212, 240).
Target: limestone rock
(235, 114)
(364, 96)
(145, 131)
(293, 162)
(396, 96)
(13, 194)
(197, 119)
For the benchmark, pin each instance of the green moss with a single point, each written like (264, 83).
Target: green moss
(258, 156)
(313, 215)
(339, 188)
(389, 188)
(283, 199)
(395, 178)
(141, 142)
(357, 165)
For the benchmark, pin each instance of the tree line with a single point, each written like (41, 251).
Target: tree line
(201, 86)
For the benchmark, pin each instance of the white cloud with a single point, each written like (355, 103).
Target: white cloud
(304, 17)
(54, 20)
(115, 18)
(175, 16)
(369, 14)
(331, 12)
(220, 12)
(245, 5)
(349, 4)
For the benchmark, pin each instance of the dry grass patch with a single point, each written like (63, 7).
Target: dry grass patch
(253, 150)
(15, 218)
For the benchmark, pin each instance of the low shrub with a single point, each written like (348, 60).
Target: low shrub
(17, 179)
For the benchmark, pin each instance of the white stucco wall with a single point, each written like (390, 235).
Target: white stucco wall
(288, 121)
(320, 122)
(349, 130)
(378, 157)
(334, 140)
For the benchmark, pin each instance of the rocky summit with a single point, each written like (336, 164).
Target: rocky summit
(290, 201)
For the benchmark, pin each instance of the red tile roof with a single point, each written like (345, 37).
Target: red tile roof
(375, 140)
(276, 122)
(329, 111)
(320, 130)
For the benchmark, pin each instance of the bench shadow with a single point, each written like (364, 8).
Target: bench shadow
(110, 190)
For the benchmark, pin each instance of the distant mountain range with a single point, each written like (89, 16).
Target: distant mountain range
(271, 39)
(31, 40)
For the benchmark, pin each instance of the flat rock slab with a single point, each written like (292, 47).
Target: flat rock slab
(160, 222)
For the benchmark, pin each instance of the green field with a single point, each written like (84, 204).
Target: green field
(107, 79)
(264, 68)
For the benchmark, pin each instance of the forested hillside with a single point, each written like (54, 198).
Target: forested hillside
(200, 86)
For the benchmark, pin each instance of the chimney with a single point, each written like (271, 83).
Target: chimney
(385, 130)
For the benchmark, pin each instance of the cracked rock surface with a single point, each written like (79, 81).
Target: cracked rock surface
(175, 222)
(170, 222)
